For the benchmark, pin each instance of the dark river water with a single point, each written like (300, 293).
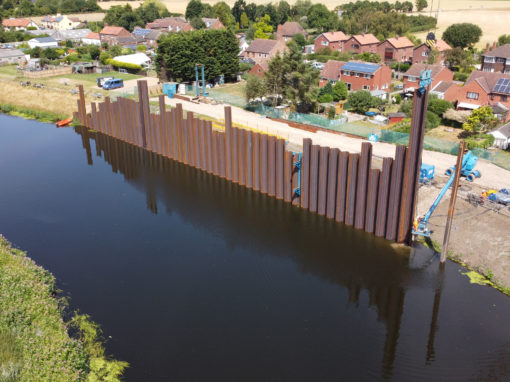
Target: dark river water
(196, 279)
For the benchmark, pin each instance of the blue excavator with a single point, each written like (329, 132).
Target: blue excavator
(468, 171)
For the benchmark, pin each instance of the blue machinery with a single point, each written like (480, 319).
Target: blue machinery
(297, 167)
(198, 82)
(468, 164)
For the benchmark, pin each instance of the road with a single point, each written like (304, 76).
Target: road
(493, 177)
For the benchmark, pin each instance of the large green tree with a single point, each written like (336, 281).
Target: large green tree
(321, 18)
(217, 50)
(462, 35)
(340, 91)
(480, 121)
(194, 9)
(361, 101)
(421, 5)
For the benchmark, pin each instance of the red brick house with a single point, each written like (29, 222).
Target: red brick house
(361, 43)
(261, 49)
(485, 88)
(421, 52)
(259, 68)
(446, 90)
(212, 23)
(497, 60)
(399, 49)
(110, 33)
(331, 40)
(170, 24)
(331, 72)
(438, 73)
(358, 75)
(290, 29)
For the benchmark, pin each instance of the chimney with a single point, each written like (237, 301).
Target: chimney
(396, 37)
(494, 45)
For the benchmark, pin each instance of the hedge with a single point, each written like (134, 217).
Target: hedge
(125, 65)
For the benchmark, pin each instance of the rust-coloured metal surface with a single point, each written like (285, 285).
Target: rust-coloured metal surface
(287, 177)
(256, 162)
(361, 189)
(350, 200)
(332, 182)
(280, 149)
(305, 173)
(382, 197)
(371, 209)
(314, 178)
(271, 166)
(322, 188)
(263, 163)
(341, 188)
(395, 192)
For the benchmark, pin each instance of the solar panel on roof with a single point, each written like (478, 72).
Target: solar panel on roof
(502, 86)
(360, 67)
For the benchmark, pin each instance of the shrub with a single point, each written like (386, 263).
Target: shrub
(438, 106)
(325, 98)
(481, 142)
(398, 99)
(432, 121)
(400, 66)
(331, 113)
(125, 65)
(459, 76)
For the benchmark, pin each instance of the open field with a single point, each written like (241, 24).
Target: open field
(95, 16)
(494, 22)
(57, 95)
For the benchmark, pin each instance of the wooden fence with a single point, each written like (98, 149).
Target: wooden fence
(338, 184)
(47, 73)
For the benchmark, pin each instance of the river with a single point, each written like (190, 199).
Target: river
(193, 278)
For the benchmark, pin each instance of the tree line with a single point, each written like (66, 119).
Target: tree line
(25, 8)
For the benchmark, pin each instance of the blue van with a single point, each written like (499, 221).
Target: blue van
(114, 83)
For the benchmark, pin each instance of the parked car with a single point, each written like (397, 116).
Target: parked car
(114, 83)
(398, 86)
(318, 65)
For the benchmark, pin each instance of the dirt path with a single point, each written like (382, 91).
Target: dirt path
(492, 175)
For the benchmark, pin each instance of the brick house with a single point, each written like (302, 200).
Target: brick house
(331, 72)
(446, 90)
(485, 88)
(170, 24)
(212, 23)
(18, 24)
(110, 33)
(421, 52)
(259, 68)
(361, 43)
(358, 75)
(290, 29)
(438, 73)
(399, 49)
(331, 40)
(262, 49)
(497, 60)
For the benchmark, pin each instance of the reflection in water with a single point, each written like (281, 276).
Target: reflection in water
(363, 262)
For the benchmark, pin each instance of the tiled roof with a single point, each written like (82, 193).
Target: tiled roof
(505, 130)
(92, 36)
(415, 70)
(331, 70)
(335, 36)
(366, 39)
(400, 42)
(15, 23)
(261, 46)
(212, 22)
(290, 28)
(443, 86)
(167, 22)
(487, 80)
(500, 51)
(112, 30)
(442, 45)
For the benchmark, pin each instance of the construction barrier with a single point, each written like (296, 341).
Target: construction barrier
(340, 185)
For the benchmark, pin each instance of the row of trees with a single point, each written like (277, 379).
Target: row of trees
(128, 18)
(217, 50)
(23, 8)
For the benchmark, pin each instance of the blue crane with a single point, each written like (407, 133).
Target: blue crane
(467, 170)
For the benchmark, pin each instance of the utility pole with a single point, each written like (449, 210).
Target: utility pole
(453, 199)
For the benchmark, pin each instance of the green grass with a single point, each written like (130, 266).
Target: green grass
(10, 70)
(92, 77)
(42, 116)
(34, 340)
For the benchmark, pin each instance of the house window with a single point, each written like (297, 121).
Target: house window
(500, 60)
(355, 46)
(411, 78)
(472, 95)
(489, 59)
(366, 75)
(325, 43)
(503, 98)
(356, 75)
(507, 71)
(425, 53)
(490, 70)
(366, 87)
(348, 86)
(492, 97)
(347, 74)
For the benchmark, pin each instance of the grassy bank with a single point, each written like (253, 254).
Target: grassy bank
(40, 115)
(35, 344)
(476, 275)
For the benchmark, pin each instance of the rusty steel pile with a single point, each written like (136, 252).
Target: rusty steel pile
(327, 181)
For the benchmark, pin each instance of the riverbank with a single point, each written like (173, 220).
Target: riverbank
(35, 344)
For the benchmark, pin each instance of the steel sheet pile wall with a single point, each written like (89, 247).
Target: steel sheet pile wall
(336, 184)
